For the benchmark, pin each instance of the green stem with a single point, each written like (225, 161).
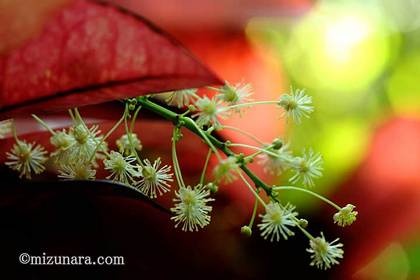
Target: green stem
(71, 115)
(249, 104)
(133, 120)
(243, 133)
(116, 125)
(251, 156)
(253, 147)
(79, 117)
(254, 213)
(275, 188)
(130, 139)
(175, 161)
(305, 232)
(44, 124)
(206, 163)
(205, 138)
(252, 190)
(14, 132)
(190, 124)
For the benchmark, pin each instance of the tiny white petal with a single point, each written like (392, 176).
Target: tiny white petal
(276, 165)
(122, 168)
(324, 254)
(26, 158)
(224, 171)
(234, 94)
(155, 179)
(277, 221)
(209, 111)
(124, 145)
(307, 168)
(296, 105)
(191, 209)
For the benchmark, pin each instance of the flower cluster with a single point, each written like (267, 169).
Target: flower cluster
(80, 150)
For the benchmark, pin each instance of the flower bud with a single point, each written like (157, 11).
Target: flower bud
(246, 230)
(346, 216)
(212, 187)
(303, 223)
(277, 143)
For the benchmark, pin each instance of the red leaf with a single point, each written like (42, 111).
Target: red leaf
(88, 53)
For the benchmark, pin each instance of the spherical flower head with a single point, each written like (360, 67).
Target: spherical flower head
(178, 98)
(296, 105)
(26, 158)
(61, 140)
(224, 171)
(234, 94)
(346, 216)
(307, 168)
(277, 220)
(81, 133)
(325, 254)
(209, 110)
(191, 209)
(122, 168)
(124, 145)
(155, 179)
(276, 165)
(86, 142)
(77, 171)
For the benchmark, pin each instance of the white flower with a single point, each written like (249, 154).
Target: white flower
(277, 220)
(296, 105)
(178, 98)
(62, 141)
(86, 140)
(122, 168)
(234, 94)
(5, 128)
(307, 168)
(77, 171)
(324, 254)
(191, 209)
(155, 180)
(276, 165)
(124, 146)
(224, 171)
(209, 110)
(27, 158)
(346, 216)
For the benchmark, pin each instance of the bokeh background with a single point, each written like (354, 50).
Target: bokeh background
(360, 60)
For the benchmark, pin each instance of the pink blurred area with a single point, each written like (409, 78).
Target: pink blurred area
(386, 189)
(199, 16)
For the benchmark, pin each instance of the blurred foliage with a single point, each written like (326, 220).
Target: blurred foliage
(359, 60)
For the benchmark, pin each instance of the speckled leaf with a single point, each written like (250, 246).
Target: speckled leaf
(87, 53)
